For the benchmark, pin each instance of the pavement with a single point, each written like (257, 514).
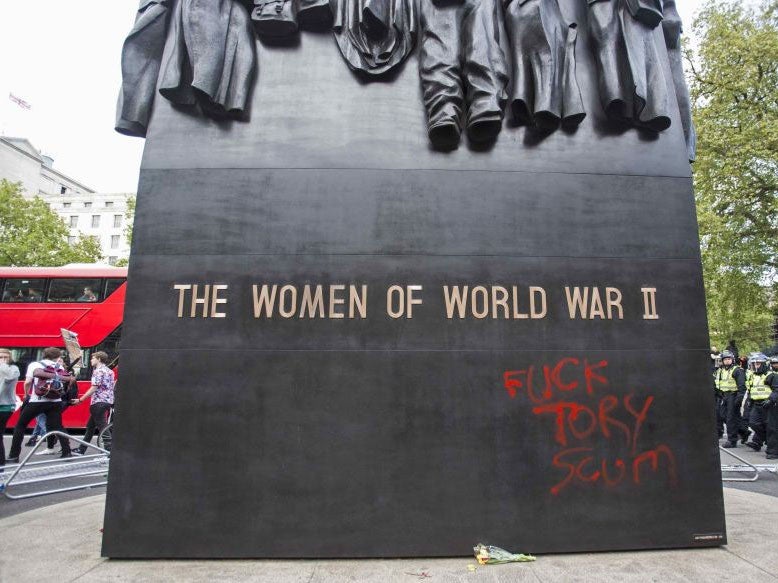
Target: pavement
(70, 551)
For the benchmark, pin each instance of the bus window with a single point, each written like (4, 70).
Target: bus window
(22, 358)
(75, 290)
(111, 285)
(24, 290)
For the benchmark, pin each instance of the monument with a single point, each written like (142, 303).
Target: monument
(408, 276)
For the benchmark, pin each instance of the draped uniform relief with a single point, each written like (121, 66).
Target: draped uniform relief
(545, 91)
(374, 36)
(672, 28)
(464, 69)
(475, 57)
(632, 80)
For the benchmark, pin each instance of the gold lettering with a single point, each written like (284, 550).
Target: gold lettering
(455, 298)
(203, 301)
(613, 296)
(357, 302)
(537, 313)
(395, 290)
(502, 301)
(484, 302)
(412, 301)
(649, 303)
(264, 301)
(182, 289)
(597, 309)
(336, 301)
(576, 304)
(216, 300)
(288, 291)
(312, 304)
(516, 314)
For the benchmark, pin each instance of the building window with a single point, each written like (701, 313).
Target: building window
(65, 205)
(73, 222)
(87, 205)
(95, 221)
(112, 260)
(63, 190)
(117, 221)
(108, 203)
(114, 241)
(71, 240)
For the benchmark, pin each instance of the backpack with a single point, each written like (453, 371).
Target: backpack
(52, 388)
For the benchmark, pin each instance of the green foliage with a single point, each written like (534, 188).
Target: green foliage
(129, 217)
(734, 89)
(33, 234)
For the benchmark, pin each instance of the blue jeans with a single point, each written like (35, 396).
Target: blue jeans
(40, 426)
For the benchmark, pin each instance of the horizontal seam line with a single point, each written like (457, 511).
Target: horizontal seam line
(625, 257)
(340, 169)
(487, 350)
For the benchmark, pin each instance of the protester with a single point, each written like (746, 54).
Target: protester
(9, 374)
(101, 393)
(44, 398)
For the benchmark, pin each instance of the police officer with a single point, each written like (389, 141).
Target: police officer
(772, 411)
(731, 386)
(758, 401)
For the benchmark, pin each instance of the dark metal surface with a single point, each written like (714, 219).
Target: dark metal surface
(375, 436)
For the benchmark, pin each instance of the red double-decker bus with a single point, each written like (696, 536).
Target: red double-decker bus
(37, 302)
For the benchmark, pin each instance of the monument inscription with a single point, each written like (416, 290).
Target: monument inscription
(376, 337)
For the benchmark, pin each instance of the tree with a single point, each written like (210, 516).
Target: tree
(734, 89)
(32, 234)
(129, 217)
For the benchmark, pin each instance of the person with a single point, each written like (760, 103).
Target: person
(87, 296)
(51, 405)
(9, 374)
(757, 401)
(101, 393)
(731, 387)
(771, 380)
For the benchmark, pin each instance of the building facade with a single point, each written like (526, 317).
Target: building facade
(85, 211)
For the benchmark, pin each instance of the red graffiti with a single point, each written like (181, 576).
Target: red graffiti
(578, 463)
(615, 420)
(566, 413)
(514, 380)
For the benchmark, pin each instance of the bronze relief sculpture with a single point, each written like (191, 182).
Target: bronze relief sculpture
(463, 64)
(141, 58)
(475, 57)
(211, 60)
(631, 78)
(545, 91)
(374, 36)
(672, 29)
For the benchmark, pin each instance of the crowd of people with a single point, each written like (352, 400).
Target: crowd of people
(49, 389)
(746, 400)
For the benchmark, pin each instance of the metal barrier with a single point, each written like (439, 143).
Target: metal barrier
(29, 472)
(748, 467)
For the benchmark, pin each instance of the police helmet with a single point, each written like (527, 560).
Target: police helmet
(774, 360)
(757, 357)
(727, 354)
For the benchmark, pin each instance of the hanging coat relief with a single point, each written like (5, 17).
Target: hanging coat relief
(671, 26)
(463, 68)
(545, 91)
(212, 58)
(632, 81)
(141, 58)
(374, 36)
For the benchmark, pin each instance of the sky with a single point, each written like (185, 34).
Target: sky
(62, 57)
